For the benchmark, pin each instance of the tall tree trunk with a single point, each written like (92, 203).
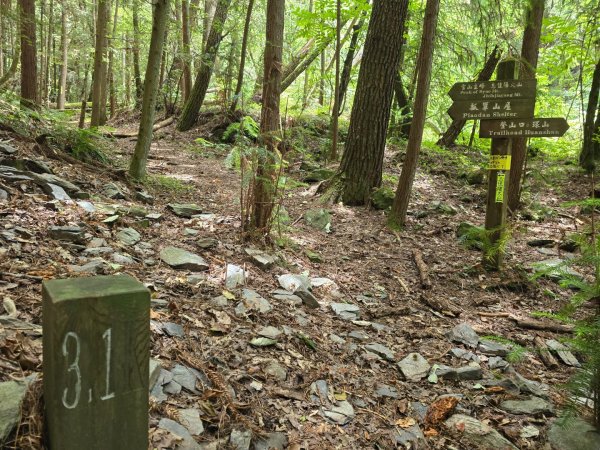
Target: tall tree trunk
(362, 163)
(347, 70)
(400, 205)
(137, 169)
(335, 116)
(139, 89)
(2, 15)
(455, 128)
(321, 78)
(264, 182)
(240, 78)
(210, 9)
(48, 46)
(111, 61)
(64, 42)
(529, 58)
(186, 49)
(589, 150)
(29, 77)
(306, 88)
(406, 115)
(194, 103)
(99, 74)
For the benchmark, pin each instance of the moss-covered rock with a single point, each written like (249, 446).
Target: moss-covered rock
(382, 198)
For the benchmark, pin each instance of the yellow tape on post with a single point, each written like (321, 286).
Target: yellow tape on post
(499, 162)
(501, 178)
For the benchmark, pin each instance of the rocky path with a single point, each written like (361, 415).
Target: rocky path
(330, 340)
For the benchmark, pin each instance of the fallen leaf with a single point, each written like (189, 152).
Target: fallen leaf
(430, 432)
(440, 409)
(405, 422)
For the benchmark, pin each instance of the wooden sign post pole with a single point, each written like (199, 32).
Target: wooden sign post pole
(495, 214)
(96, 340)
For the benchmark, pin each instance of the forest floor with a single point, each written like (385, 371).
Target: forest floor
(332, 376)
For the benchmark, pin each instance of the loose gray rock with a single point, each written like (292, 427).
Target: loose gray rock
(495, 362)
(122, 259)
(86, 206)
(7, 149)
(97, 265)
(190, 232)
(144, 197)
(111, 190)
(287, 296)
(526, 386)
(252, 300)
(206, 243)
(358, 335)
(411, 437)
(179, 258)
(154, 372)
(188, 442)
(414, 367)
(190, 419)
(68, 233)
(236, 276)
(129, 236)
(173, 329)
(477, 434)
(185, 377)
(336, 339)
(3, 195)
(381, 350)
(531, 406)
(573, 434)
(269, 332)
(45, 178)
(384, 390)
(261, 258)
(240, 439)
(471, 372)
(556, 269)
(493, 348)
(293, 283)
(319, 219)
(275, 370)
(563, 353)
(272, 441)
(12, 394)
(308, 299)
(464, 334)
(342, 413)
(184, 209)
(55, 192)
(346, 311)
(96, 251)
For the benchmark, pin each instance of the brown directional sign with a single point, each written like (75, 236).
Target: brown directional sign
(536, 127)
(493, 109)
(494, 90)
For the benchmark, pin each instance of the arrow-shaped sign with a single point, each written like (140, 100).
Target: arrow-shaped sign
(494, 90)
(494, 109)
(536, 127)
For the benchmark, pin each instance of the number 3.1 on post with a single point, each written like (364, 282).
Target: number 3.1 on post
(96, 334)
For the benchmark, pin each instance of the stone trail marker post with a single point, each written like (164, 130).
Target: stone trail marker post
(505, 107)
(96, 341)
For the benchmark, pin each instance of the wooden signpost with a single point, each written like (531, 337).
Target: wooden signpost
(505, 108)
(96, 340)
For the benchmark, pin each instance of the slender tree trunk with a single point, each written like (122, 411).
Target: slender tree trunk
(48, 45)
(192, 107)
(84, 96)
(455, 128)
(306, 89)
(347, 70)
(529, 58)
(400, 205)
(160, 16)
(240, 78)
(99, 75)
(186, 50)
(111, 61)
(406, 116)
(362, 163)
(264, 182)
(210, 8)
(64, 42)
(2, 14)
(589, 150)
(29, 77)
(139, 89)
(16, 56)
(321, 78)
(335, 114)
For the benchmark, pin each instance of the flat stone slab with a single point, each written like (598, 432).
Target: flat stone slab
(261, 258)
(342, 413)
(346, 311)
(384, 390)
(252, 300)
(188, 442)
(563, 353)
(414, 367)
(573, 434)
(240, 439)
(291, 282)
(477, 434)
(129, 236)
(190, 419)
(184, 209)
(67, 233)
(531, 406)
(236, 276)
(381, 350)
(272, 441)
(464, 334)
(492, 348)
(179, 258)
(12, 394)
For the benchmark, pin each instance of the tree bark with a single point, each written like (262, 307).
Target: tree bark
(589, 150)
(403, 106)
(400, 205)
(29, 98)
(64, 42)
(264, 184)
(455, 128)
(335, 116)
(194, 103)
(347, 68)
(240, 77)
(99, 74)
(186, 49)
(529, 58)
(139, 89)
(111, 61)
(361, 167)
(137, 169)
(210, 10)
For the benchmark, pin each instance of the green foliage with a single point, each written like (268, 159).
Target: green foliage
(517, 352)
(166, 183)
(246, 127)
(83, 144)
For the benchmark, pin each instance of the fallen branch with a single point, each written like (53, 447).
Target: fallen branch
(422, 268)
(493, 314)
(543, 326)
(545, 354)
(442, 306)
(129, 134)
